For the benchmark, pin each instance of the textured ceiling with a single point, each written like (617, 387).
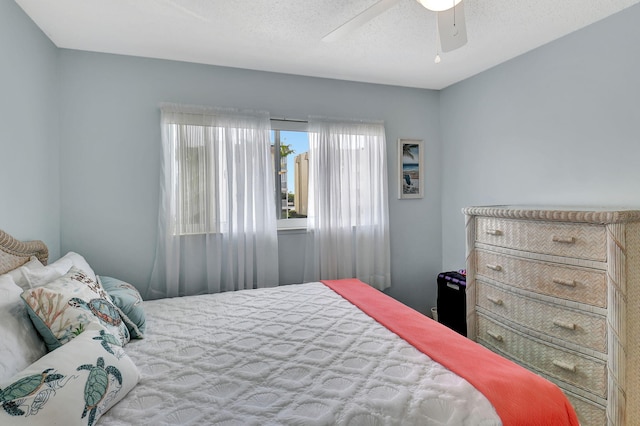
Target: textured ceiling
(397, 47)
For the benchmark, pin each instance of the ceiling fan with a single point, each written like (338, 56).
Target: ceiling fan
(452, 30)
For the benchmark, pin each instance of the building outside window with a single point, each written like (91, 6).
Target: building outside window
(290, 152)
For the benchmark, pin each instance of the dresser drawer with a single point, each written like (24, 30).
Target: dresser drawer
(580, 241)
(580, 328)
(581, 285)
(581, 371)
(589, 413)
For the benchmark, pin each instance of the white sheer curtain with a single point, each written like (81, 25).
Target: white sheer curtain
(216, 224)
(348, 219)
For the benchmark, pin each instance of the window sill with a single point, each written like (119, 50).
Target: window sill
(295, 223)
(292, 230)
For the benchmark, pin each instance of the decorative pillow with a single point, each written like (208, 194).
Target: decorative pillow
(129, 303)
(73, 385)
(62, 309)
(20, 343)
(18, 274)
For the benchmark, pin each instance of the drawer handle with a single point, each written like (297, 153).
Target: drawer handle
(495, 335)
(567, 325)
(494, 267)
(495, 232)
(563, 240)
(565, 365)
(494, 300)
(571, 283)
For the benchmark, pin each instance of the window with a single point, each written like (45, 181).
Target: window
(216, 222)
(348, 205)
(290, 151)
(211, 156)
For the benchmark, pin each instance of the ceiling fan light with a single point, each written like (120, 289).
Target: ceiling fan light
(439, 5)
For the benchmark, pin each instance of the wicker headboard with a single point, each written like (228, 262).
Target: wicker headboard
(14, 253)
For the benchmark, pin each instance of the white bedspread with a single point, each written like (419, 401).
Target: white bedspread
(291, 355)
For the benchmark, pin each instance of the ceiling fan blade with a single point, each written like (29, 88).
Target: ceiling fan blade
(185, 10)
(452, 28)
(360, 19)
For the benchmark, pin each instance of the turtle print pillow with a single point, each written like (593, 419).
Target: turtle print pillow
(129, 302)
(73, 385)
(63, 308)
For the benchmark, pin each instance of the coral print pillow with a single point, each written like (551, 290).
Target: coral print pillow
(62, 309)
(73, 385)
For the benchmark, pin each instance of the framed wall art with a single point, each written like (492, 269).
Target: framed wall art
(410, 168)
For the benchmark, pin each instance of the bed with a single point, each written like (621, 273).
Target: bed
(325, 353)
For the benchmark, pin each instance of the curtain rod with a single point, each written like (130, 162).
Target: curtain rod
(292, 120)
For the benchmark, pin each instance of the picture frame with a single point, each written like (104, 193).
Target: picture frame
(410, 168)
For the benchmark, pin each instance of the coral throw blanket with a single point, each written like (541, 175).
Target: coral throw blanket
(519, 396)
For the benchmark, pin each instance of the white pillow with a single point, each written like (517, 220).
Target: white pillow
(79, 262)
(20, 343)
(18, 274)
(37, 277)
(73, 385)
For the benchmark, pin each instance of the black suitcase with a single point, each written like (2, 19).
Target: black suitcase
(452, 302)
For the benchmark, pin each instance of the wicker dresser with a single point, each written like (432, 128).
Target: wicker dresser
(558, 291)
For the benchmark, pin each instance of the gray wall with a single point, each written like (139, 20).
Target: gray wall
(110, 147)
(559, 125)
(29, 184)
